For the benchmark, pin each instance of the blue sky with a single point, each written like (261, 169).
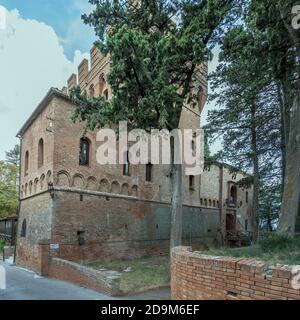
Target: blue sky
(63, 15)
(41, 45)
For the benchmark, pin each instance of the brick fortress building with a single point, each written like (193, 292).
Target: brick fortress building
(88, 212)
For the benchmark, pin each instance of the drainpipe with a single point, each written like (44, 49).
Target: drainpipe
(18, 213)
(221, 208)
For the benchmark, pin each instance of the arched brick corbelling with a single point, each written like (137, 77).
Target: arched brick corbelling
(49, 176)
(22, 191)
(104, 186)
(125, 189)
(79, 177)
(91, 183)
(64, 174)
(26, 189)
(35, 185)
(42, 182)
(134, 191)
(30, 187)
(115, 187)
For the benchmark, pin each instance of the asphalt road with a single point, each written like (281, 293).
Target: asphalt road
(25, 285)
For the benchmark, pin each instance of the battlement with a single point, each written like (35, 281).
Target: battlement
(92, 76)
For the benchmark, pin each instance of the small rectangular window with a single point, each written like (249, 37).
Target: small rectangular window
(192, 182)
(246, 225)
(126, 166)
(149, 172)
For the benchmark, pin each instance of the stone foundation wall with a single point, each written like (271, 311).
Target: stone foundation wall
(122, 228)
(200, 277)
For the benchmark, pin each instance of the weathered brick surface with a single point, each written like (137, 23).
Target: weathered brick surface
(200, 277)
(107, 282)
(121, 216)
(37, 211)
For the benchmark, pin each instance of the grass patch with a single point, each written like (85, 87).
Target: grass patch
(275, 249)
(147, 273)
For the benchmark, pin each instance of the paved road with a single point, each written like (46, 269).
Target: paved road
(25, 285)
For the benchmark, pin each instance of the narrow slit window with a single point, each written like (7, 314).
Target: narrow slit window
(84, 156)
(26, 163)
(41, 153)
(126, 166)
(149, 172)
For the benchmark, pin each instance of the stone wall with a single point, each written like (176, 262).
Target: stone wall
(107, 282)
(201, 277)
(120, 227)
(37, 212)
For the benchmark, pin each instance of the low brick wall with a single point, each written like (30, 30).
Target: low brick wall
(107, 282)
(200, 277)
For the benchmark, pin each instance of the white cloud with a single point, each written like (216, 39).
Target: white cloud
(31, 61)
(77, 28)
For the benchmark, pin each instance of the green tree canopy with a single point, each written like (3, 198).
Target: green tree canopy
(155, 49)
(8, 189)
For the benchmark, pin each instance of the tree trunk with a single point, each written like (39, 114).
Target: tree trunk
(177, 198)
(176, 216)
(256, 182)
(285, 106)
(291, 193)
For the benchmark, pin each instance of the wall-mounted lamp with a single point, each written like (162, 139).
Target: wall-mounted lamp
(51, 189)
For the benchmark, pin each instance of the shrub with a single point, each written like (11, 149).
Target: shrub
(277, 242)
(2, 245)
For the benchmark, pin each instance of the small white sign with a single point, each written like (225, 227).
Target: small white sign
(54, 246)
(2, 18)
(2, 278)
(239, 216)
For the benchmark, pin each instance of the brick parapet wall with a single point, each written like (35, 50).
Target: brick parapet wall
(196, 276)
(107, 282)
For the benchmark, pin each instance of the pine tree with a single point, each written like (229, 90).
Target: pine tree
(155, 49)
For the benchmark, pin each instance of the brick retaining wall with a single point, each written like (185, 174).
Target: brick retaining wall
(200, 277)
(107, 282)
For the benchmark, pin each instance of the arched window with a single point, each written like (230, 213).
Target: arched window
(149, 172)
(209, 202)
(26, 163)
(41, 153)
(214, 203)
(205, 202)
(24, 229)
(105, 94)
(247, 196)
(91, 90)
(84, 155)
